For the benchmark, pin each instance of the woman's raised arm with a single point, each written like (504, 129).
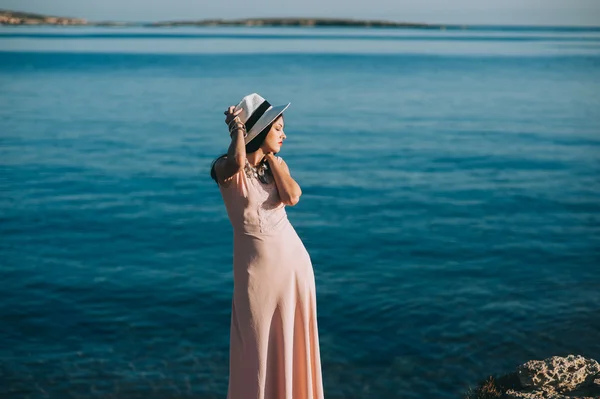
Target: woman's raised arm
(235, 160)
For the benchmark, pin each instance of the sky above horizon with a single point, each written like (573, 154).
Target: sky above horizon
(507, 12)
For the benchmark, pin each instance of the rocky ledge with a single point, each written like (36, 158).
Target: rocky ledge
(571, 377)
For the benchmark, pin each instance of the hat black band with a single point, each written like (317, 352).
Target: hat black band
(260, 111)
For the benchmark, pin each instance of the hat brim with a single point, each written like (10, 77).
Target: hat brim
(269, 116)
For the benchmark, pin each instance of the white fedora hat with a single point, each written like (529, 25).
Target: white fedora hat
(257, 113)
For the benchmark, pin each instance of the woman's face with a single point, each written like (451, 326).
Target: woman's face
(275, 137)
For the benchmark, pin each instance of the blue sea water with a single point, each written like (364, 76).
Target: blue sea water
(451, 203)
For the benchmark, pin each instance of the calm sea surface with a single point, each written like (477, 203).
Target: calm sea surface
(451, 203)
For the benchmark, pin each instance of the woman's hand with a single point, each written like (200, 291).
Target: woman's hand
(231, 114)
(235, 160)
(270, 157)
(235, 124)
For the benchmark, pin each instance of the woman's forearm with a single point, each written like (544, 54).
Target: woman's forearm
(289, 190)
(237, 149)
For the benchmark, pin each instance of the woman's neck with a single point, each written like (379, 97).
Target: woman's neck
(255, 157)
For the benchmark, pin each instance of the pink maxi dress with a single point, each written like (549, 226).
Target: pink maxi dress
(274, 343)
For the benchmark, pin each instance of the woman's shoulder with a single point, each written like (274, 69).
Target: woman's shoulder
(221, 159)
(218, 169)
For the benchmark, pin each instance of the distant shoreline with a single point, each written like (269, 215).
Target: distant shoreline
(16, 18)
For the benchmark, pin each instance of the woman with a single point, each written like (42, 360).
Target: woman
(274, 344)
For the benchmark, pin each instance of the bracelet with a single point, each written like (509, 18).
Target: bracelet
(236, 120)
(238, 126)
(238, 123)
(231, 132)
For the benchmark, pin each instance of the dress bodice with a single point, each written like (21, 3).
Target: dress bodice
(252, 206)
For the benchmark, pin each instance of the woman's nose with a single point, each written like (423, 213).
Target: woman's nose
(283, 135)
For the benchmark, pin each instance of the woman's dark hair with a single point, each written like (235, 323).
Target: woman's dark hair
(251, 147)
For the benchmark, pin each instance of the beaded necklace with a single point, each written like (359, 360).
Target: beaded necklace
(258, 172)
